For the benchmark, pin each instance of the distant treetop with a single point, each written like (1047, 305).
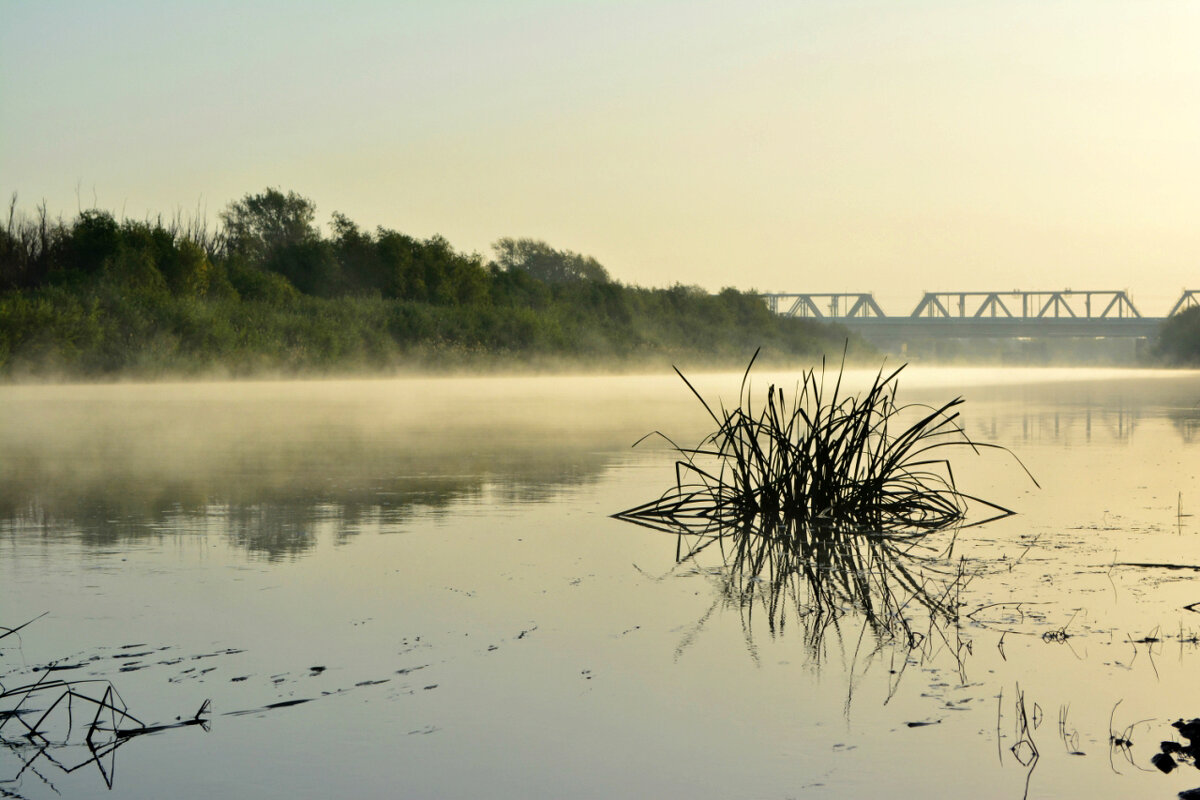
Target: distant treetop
(260, 223)
(545, 263)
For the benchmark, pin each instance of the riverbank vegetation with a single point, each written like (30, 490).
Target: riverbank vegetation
(267, 292)
(1179, 341)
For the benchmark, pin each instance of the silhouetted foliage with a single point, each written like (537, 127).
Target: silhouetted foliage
(545, 263)
(1179, 339)
(258, 224)
(363, 266)
(252, 283)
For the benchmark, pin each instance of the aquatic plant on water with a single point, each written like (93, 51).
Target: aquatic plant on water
(820, 464)
(824, 500)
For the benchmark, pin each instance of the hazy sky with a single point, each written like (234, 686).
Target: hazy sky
(802, 145)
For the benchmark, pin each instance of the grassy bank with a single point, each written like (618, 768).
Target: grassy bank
(106, 333)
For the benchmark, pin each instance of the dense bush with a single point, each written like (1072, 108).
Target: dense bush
(1179, 340)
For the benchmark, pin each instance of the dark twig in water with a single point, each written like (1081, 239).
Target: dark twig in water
(1070, 738)
(1060, 634)
(10, 631)
(1123, 741)
(109, 727)
(1025, 750)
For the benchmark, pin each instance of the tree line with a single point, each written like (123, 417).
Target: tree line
(1179, 340)
(266, 290)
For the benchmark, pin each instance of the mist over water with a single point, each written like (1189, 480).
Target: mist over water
(441, 549)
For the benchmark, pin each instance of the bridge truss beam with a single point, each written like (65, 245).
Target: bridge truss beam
(985, 314)
(1030, 305)
(1189, 299)
(842, 305)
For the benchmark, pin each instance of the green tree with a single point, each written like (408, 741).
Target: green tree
(400, 277)
(187, 269)
(451, 277)
(363, 270)
(547, 264)
(94, 239)
(1179, 338)
(310, 266)
(254, 284)
(275, 232)
(260, 224)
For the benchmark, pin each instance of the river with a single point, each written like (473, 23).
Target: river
(414, 588)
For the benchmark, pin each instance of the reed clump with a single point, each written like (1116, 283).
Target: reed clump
(821, 503)
(819, 464)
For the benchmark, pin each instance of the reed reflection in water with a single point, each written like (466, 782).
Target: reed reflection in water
(904, 589)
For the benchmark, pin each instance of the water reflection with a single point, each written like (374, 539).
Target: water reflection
(269, 465)
(1186, 422)
(1084, 412)
(271, 501)
(903, 588)
(1082, 426)
(270, 496)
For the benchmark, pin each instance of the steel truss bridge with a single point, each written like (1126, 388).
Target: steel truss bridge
(1015, 314)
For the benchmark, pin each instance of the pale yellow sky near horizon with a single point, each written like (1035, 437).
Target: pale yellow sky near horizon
(891, 147)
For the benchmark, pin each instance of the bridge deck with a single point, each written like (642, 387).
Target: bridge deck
(883, 328)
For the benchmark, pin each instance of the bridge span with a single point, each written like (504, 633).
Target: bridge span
(996, 315)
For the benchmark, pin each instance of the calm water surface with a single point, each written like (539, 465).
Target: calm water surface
(430, 566)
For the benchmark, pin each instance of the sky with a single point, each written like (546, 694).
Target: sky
(801, 146)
